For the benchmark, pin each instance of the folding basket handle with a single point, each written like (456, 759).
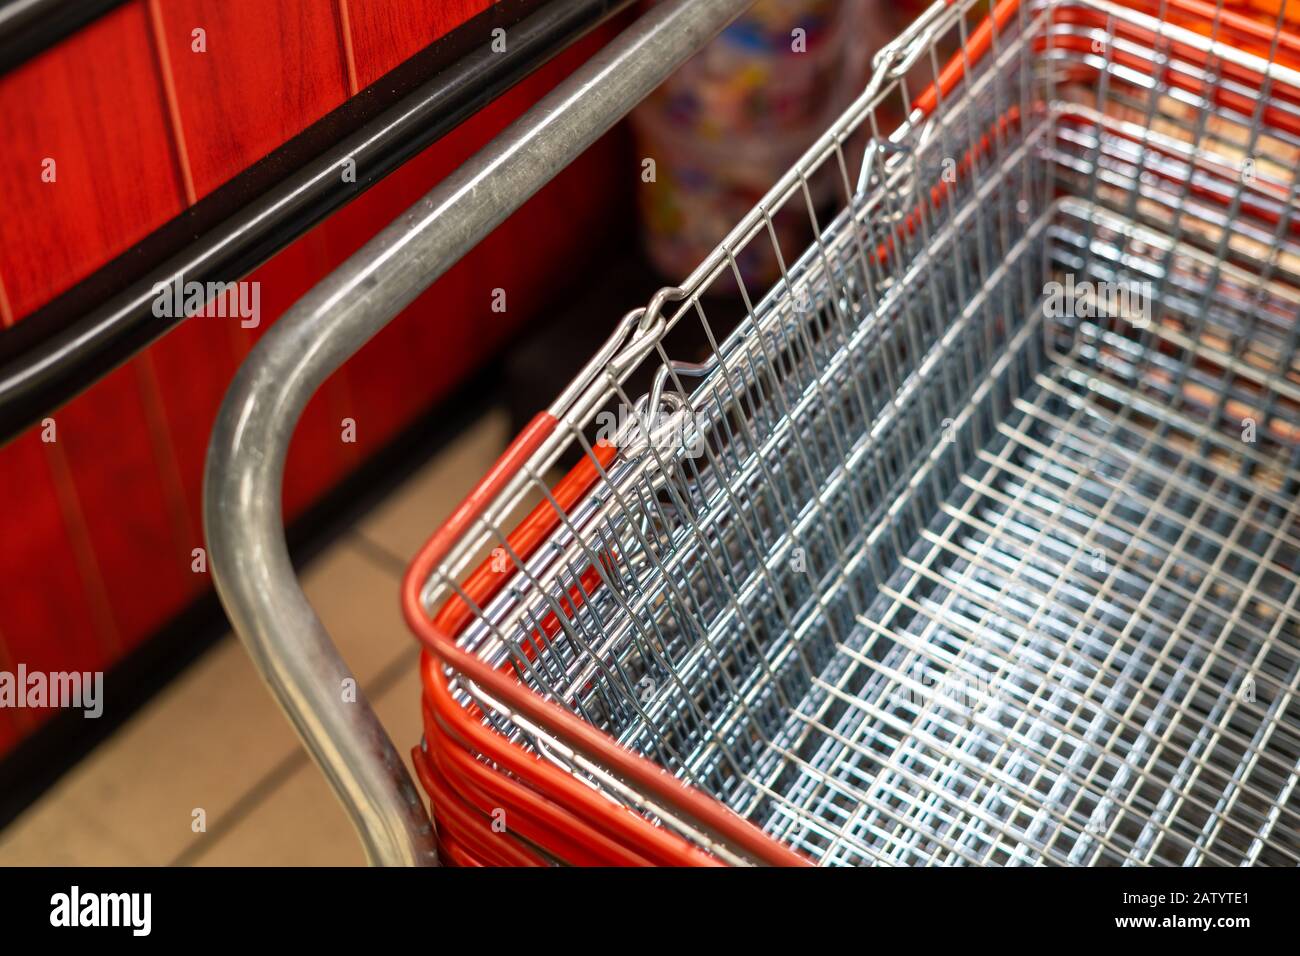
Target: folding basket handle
(245, 467)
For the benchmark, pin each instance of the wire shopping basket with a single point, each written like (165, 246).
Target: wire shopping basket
(974, 539)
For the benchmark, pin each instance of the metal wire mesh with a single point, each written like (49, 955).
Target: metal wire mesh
(923, 560)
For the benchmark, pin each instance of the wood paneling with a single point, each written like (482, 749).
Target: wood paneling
(93, 105)
(194, 364)
(269, 71)
(317, 456)
(385, 33)
(96, 551)
(114, 462)
(9, 728)
(46, 618)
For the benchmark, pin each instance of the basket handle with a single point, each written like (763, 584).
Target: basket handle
(245, 468)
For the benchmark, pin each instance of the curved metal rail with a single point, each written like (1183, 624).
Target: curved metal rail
(245, 468)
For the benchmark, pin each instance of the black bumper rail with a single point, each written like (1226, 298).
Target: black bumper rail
(62, 349)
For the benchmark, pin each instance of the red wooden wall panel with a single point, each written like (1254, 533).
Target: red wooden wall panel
(98, 554)
(194, 364)
(317, 455)
(117, 465)
(270, 70)
(412, 361)
(451, 328)
(49, 618)
(94, 105)
(9, 728)
(384, 33)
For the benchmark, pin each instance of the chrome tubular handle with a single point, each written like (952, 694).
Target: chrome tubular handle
(245, 466)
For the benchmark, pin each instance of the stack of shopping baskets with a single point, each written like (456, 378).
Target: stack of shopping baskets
(976, 539)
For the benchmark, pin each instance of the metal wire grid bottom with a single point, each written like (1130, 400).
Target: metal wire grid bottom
(1091, 656)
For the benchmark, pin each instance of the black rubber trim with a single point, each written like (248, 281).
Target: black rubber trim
(49, 357)
(29, 27)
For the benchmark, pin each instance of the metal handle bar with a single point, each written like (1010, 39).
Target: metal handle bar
(245, 468)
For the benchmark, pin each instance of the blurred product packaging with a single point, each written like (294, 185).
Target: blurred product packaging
(730, 122)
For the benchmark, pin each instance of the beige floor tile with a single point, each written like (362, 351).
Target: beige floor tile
(300, 823)
(199, 744)
(406, 520)
(67, 832)
(216, 740)
(214, 734)
(357, 595)
(399, 711)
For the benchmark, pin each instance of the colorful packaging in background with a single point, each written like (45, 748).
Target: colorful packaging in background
(728, 124)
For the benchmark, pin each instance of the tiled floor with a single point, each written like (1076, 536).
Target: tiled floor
(215, 741)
